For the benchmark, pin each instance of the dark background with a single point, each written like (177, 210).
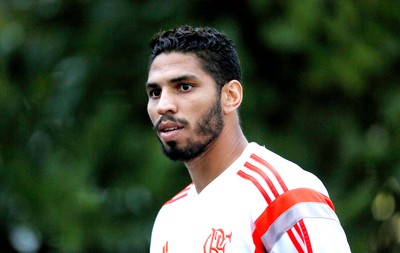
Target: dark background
(81, 169)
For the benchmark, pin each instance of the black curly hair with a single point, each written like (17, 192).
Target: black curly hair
(216, 52)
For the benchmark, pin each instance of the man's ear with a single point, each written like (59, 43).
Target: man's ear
(231, 96)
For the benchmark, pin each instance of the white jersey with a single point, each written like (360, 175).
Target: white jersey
(261, 203)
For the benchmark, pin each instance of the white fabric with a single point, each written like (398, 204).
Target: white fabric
(224, 217)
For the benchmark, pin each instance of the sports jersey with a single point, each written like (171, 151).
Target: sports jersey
(260, 203)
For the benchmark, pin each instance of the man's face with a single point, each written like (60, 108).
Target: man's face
(184, 105)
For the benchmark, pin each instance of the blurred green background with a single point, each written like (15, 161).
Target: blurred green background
(81, 169)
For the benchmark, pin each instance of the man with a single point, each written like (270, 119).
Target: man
(244, 198)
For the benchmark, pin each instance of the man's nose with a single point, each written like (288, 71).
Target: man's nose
(166, 104)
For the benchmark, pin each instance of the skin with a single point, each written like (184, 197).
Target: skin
(178, 87)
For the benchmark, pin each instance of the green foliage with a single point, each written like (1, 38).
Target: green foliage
(81, 169)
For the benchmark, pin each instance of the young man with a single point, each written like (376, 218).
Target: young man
(244, 198)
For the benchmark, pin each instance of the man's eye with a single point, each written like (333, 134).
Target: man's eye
(154, 93)
(186, 87)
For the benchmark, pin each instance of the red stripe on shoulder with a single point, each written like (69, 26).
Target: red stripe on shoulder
(271, 168)
(256, 183)
(179, 195)
(271, 185)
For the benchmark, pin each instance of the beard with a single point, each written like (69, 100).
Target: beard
(208, 128)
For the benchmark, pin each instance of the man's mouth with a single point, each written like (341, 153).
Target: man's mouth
(169, 129)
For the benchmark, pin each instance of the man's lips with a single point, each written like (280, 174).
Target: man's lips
(168, 131)
(166, 126)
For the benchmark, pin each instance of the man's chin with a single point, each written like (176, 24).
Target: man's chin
(184, 154)
(171, 150)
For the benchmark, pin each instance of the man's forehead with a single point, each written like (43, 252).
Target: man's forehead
(174, 58)
(174, 67)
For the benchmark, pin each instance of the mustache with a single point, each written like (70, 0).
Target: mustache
(170, 118)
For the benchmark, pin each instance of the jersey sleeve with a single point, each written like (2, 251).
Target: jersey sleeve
(300, 220)
(315, 235)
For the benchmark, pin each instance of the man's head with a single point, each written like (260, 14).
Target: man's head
(192, 88)
(216, 52)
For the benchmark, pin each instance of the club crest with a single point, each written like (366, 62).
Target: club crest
(217, 241)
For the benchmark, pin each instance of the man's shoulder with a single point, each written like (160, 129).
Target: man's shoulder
(266, 169)
(180, 195)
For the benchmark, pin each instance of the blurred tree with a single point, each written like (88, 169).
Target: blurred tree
(81, 170)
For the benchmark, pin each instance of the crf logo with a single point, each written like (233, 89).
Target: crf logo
(217, 241)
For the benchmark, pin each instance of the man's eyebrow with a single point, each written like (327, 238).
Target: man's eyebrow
(152, 85)
(173, 80)
(182, 78)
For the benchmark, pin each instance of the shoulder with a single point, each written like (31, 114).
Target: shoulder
(266, 169)
(180, 195)
(174, 206)
(285, 194)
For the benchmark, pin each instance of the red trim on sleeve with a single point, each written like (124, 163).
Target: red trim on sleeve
(285, 202)
(282, 204)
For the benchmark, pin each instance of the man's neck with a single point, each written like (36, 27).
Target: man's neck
(217, 158)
